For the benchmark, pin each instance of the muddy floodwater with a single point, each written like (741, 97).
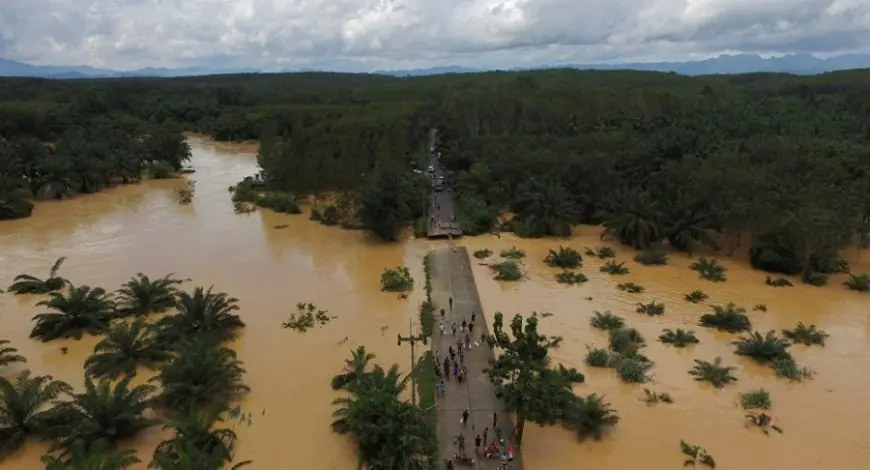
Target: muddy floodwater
(110, 236)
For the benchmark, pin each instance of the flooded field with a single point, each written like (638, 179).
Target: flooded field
(824, 419)
(110, 236)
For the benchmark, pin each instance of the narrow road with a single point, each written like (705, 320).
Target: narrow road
(440, 202)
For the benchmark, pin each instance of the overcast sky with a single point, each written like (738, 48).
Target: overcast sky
(377, 34)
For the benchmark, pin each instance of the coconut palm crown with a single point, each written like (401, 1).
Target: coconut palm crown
(203, 311)
(77, 311)
(28, 284)
(125, 348)
(25, 408)
(142, 296)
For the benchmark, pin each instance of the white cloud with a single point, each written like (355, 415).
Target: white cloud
(370, 34)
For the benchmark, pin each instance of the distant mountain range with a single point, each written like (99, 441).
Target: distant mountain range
(799, 64)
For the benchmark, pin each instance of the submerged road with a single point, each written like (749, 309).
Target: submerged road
(441, 213)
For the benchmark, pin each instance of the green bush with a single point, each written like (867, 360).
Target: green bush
(398, 279)
(652, 258)
(508, 271)
(568, 277)
(279, 202)
(161, 170)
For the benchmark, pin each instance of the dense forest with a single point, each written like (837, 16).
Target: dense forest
(776, 162)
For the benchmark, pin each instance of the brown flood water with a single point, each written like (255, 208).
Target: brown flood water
(825, 420)
(110, 236)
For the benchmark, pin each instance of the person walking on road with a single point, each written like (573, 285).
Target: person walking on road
(485, 432)
(477, 444)
(465, 418)
(450, 301)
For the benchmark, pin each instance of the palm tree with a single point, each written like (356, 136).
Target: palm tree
(78, 458)
(27, 284)
(126, 347)
(82, 310)
(591, 416)
(544, 207)
(633, 219)
(355, 367)
(763, 348)
(714, 372)
(371, 419)
(196, 430)
(142, 296)
(9, 355)
(203, 373)
(685, 225)
(203, 312)
(25, 408)
(190, 458)
(103, 415)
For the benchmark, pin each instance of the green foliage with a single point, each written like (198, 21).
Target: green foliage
(197, 430)
(630, 287)
(652, 309)
(696, 455)
(696, 296)
(186, 192)
(778, 282)
(807, 335)
(633, 369)
(398, 279)
(730, 318)
(591, 416)
(390, 200)
(104, 414)
(203, 374)
(80, 458)
(27, 284)
(531, 389)
(568, 277)
(786, 367)
(678, 338)
(858, 282)
(388, 432)
(651, 397)
(758, 399)
(565, 258)
(73, 313)
(279, 202)
(763, 348)
(126, 347)
(141, 296)
(26, 409)
(306, 316)
(625, 341)
(814, 278)
(606, 321)
(161, 171)
(598, 357)
(718, 374)
(483, 254)
(709, 269)
(652, 258)
(203, 312)
(513, 253)
(9, 355)
(612, 267)
(602, 252)
(507, 271)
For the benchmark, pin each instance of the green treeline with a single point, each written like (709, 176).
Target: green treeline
(776, 162)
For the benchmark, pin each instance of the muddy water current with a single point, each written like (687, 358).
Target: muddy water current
(110, 236)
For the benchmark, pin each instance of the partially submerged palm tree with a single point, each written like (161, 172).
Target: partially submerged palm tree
(565, 257)
(696, 455)
(355, 367)
(25, 408)
(630, 287)
(8, 355)
(105, 413)
(807, 335)
(758, 399)
(696, 296)
(203, 312)
(78, 311)
(203, 373)
(730, 318)
(614, 268)
(125, 348)
(79, 458)
(679, 338)
(190, 458)
(858, 282)
(763, 348)
(709, 269)
(196, 430)
(652, 309)
(142, 296)
(591, 416)
(714, 372)
(28, 284)
(606, 321)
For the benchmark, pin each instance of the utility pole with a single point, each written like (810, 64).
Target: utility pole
(413, 340)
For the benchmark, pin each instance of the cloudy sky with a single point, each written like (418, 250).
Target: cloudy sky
(377, 34)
